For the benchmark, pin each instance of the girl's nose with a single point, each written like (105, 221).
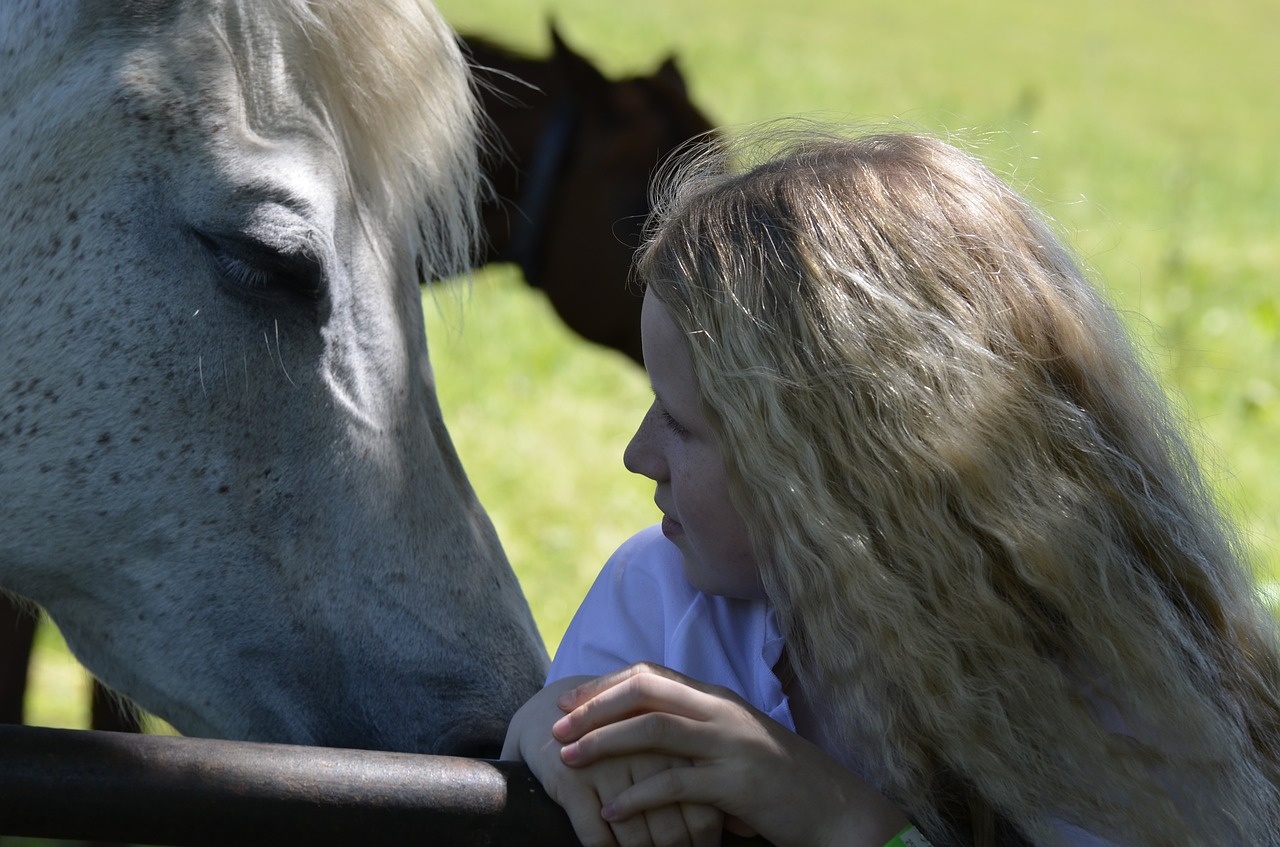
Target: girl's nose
(641, 457)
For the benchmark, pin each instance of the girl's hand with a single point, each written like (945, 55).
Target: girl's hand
(765, 777)
(583, 791)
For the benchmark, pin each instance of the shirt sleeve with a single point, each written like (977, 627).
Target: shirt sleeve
(622, 619)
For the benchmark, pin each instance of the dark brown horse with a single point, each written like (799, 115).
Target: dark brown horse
(571, 174)
(572, 191)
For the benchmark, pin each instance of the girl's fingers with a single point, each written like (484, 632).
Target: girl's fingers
(655, 732)
(634, 832)
(670, 787)
(660, 826)
(583, 809)
(705, 824)
(626, 697)
(665, 826)
(668, 826)
(575, 697)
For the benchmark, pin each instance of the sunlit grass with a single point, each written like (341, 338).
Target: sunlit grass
(58, 686)
(540, 420)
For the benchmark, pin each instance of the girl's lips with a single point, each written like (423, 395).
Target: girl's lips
(670, 528)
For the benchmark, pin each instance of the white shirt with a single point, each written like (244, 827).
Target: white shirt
(642, 609)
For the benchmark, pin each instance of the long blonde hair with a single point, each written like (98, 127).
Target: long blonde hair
(988, 543)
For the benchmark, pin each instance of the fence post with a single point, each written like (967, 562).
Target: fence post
(196, 792)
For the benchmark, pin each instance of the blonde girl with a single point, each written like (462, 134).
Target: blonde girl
(1005, 603)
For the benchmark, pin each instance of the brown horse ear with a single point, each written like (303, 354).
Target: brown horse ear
(669, 73)
(581, 77)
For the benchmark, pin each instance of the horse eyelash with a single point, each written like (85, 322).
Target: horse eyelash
(243, 273)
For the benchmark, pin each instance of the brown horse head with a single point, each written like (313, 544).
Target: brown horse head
(571, 177)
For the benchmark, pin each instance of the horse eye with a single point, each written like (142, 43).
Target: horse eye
(253, 269)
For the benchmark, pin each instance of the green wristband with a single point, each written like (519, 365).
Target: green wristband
(909, 837)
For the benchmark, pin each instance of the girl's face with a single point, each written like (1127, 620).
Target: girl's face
(675, 447)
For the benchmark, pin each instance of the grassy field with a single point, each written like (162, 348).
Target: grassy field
(1147, 128)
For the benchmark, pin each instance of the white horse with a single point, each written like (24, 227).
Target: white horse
(223, 469)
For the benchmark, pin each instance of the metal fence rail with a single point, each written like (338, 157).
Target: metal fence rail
(81, 784)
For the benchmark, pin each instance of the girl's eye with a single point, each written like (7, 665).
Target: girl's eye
(673, 424)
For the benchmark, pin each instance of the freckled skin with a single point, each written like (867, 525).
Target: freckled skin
(243, 511)
(676, 447)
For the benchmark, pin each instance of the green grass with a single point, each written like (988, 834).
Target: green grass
(1146, 127)
(540, 419)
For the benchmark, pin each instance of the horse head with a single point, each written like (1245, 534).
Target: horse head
(572, 191)
(224, 469)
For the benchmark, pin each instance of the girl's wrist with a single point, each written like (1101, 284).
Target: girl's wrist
(866, 818)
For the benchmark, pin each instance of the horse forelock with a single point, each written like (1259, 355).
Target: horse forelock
(394, 91)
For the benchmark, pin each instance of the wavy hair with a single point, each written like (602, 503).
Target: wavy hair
(988, 542)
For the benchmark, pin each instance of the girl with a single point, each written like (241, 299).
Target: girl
(923, 506)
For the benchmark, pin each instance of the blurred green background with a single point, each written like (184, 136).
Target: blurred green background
(1148, 128)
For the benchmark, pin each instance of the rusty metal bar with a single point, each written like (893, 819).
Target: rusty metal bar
(82, 784)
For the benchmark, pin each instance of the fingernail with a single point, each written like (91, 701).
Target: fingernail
(608, 812)
(569, 753)
(560, 729)
(565, 700)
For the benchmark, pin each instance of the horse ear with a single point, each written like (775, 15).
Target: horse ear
(580, 76)
(669, 73)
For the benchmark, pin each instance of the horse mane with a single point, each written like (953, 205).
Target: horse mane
(389, 78)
